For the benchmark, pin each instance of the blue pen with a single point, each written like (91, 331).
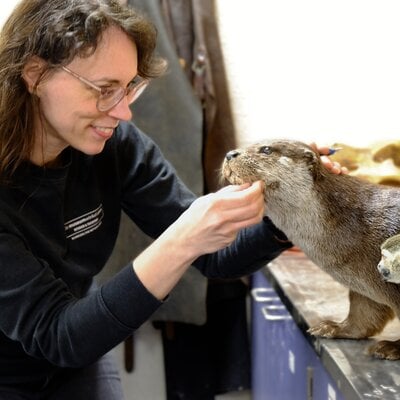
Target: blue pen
(334, 150)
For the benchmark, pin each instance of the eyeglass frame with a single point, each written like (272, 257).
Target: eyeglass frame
(136, 89)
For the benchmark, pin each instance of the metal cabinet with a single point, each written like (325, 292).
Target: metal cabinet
(284, 365)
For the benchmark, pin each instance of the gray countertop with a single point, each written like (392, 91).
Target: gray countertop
(312, 295)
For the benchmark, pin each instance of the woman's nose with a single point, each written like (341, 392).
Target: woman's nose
(121, 110)
(231, 154)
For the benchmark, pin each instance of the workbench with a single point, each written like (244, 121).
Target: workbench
(289, 295)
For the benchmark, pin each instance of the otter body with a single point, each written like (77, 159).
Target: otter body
(338, 221)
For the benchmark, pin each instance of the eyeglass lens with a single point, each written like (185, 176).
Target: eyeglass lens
(111, 98)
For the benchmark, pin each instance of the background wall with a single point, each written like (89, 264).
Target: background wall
(313, 69)
(5, 9)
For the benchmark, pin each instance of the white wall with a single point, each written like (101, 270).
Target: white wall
(314, 69)
(5, 9)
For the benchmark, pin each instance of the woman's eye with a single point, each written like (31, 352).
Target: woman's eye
(265, 150)
(107, 91)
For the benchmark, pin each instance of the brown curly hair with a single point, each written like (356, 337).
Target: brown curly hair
(57, 31)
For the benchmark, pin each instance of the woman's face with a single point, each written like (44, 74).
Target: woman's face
(67, 107)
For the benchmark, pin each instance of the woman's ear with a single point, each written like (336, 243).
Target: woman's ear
(32, 72)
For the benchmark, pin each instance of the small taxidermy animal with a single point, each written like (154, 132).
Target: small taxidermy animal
(389, 265)
(338, 221)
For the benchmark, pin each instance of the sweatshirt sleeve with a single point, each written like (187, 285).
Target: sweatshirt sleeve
(253, 248)
(39, 311)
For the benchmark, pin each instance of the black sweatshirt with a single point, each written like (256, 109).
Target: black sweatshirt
(57, 230)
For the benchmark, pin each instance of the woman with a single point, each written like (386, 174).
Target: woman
(69, 163)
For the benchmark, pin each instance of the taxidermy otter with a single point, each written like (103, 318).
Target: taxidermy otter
(338, 221)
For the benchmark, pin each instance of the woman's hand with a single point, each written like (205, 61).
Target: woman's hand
(213, 221)
(332, 166)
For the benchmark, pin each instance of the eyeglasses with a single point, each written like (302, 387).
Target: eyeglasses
(111, 95)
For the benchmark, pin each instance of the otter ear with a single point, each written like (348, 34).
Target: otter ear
(314, 164)
(32, 72)
(391, 244)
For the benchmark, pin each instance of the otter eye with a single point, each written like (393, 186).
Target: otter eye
(265, 150)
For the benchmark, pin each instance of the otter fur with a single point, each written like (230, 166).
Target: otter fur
(338, 221)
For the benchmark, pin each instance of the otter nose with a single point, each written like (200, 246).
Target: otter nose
(231, 154)
(385, 272)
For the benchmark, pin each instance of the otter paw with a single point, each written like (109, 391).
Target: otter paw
(328, 329)
(385, 349)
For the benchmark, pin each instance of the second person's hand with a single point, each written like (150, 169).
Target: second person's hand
(333, 166)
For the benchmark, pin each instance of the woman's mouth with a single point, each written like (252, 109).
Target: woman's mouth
(103, 132)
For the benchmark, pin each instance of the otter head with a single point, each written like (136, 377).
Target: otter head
(276, 162)
(389, 265)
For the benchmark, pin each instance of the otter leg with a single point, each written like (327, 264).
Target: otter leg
(366, 318)
(386, 349)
